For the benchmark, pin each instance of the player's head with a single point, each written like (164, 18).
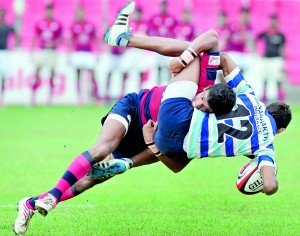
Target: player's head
(244, 17)
(163, 6)
(221, 98)
(222, 19)
(281, 113)
(273, 21)
(186, 15)
(2, 14)
(49, 10)
(218, 99)
(80, 14)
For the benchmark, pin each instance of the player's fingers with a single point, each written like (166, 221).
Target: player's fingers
(148, 123)
(151, 123)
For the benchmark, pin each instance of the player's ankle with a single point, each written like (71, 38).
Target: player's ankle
(130, 162)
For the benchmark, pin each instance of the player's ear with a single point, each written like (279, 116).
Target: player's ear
(280, 130)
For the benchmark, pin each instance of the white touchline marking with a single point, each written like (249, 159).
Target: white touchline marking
(61, 205)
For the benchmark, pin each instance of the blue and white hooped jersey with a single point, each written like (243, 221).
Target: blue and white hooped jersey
(247, 130)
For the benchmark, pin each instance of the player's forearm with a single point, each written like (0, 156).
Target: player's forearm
(164, 46)
(269, 180)
(144, 158)
(207, 41)
(174, 164)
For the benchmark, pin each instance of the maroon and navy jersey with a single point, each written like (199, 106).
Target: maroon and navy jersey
(83, 35)
(48, 31)
(162, 25)
(185, 31)
(150, 99)
(237, 37)
(139, 27)
(149, 103)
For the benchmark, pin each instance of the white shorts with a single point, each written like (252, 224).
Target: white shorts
(5, 63)
(83, 60)
(112, 62)
(137, 59)
(241, 59)
(161, 60)
(46, 57)
(273, 69)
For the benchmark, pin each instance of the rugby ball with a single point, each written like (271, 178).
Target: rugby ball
(249, 180)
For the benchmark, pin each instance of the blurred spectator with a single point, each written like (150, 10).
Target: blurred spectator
(222, 29)
(48, 32)
(239, 39)
(136, 60)
(113, 63)
(5, 31)
(273, 61)
(185, 29)
(162, 25)
(82, 40)
(19, 7)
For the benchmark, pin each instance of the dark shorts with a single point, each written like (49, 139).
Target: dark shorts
(174, 119)
(133, 142)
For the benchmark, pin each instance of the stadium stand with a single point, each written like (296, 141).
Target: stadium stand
(102, 13)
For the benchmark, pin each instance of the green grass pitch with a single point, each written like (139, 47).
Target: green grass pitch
(37, 144)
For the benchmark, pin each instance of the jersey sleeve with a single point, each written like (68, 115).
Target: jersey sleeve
(237, 82)
(266, 157)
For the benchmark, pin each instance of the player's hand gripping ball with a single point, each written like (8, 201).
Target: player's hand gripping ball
(249, 180)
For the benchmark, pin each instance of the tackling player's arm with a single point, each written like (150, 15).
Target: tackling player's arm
(174, 164)
(206, 42)
(267, 167)
(269, 180)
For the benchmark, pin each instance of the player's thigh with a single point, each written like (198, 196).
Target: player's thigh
(121, 119)
(132, 143)
(110, 137)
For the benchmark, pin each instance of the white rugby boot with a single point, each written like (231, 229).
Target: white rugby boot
(119, 34)
(21, 223)
(45, 204)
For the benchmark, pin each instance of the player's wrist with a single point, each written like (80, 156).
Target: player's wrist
(187, 56)
(151, 145)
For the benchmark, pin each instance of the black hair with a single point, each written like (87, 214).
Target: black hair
(221, 98)
(274, 17)
(244, 10)
(223, 13)
(281, 113)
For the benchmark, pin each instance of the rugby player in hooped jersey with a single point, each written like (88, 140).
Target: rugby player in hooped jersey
(122, 127)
